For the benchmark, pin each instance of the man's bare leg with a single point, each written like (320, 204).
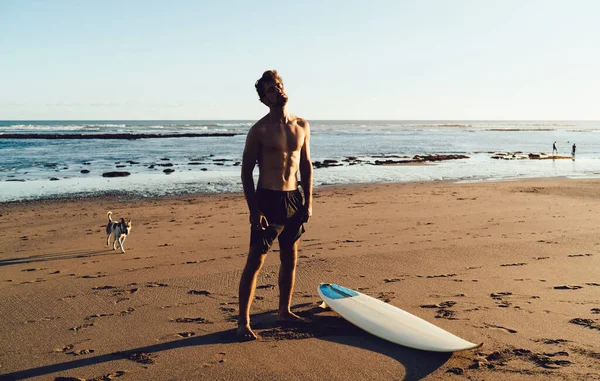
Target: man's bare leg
(246, 293)
(287, 279)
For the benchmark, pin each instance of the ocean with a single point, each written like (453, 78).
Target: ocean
(208, 161)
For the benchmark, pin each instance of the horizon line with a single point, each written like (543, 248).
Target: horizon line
(316, 119)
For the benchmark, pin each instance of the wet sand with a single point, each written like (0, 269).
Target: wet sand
(514, 265)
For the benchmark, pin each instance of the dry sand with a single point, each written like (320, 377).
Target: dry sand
(514, 265)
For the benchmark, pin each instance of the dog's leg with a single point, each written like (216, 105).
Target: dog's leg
(121, 240)
(108, 239)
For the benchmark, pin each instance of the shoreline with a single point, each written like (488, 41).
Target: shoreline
(133, 196)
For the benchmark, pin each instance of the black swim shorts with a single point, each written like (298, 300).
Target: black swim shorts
(284, 213)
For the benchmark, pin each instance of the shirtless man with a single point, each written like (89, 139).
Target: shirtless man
(279, 143)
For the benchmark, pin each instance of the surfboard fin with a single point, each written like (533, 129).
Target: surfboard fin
(324, 305)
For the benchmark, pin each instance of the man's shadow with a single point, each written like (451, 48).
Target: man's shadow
(324, 325)
(135, 354)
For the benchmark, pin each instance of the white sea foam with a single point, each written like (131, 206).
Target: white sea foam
(36, 161)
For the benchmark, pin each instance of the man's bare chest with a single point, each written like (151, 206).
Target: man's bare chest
(284, 139)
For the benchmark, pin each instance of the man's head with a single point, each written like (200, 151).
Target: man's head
(270, 89)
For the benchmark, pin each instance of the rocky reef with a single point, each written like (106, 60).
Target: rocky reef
(386, 160)
(526, 156)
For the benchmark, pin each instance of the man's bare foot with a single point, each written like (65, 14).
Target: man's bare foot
(291, 318)
(244, 333)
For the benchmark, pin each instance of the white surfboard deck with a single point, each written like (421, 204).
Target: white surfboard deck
(389, 322)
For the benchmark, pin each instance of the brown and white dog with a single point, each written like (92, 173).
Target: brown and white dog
(119, 230)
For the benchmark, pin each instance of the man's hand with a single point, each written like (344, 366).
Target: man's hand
(258, 221)
(307, 213)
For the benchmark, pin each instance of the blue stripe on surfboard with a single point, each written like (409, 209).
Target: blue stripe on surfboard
(333, 291)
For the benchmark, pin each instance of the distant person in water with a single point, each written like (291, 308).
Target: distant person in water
(573, 151)
(279, 143)
(554, 149)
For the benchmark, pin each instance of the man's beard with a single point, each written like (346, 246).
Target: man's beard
(281, 100)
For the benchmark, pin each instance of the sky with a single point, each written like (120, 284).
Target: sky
(339, 59)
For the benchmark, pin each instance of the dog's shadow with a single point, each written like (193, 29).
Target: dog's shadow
(58, 256)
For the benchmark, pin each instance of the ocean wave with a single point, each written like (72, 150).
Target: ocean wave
(104, 125)
(517, 129)
(59, 127)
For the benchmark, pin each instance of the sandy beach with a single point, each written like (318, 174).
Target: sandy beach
(514, 265)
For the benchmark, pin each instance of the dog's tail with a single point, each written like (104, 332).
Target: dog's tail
(109, 214)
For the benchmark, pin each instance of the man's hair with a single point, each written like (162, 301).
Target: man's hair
(267, 77)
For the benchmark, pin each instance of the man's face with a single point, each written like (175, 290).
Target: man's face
(275, 94)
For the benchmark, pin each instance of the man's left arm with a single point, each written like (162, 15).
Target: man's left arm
(306, 170)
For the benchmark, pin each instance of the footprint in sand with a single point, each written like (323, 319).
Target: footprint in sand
(441, 276)
(80, 327)
(587, 353)
(94, 276)
(392, 280)
(108, 287)
(513, 264)
(500, 358)
(139, 357)
(198, 292)
(445, 304)
(552, 341)
(443, 313)
(588, 323)
(198, 320)
(546, 362)
(567, 287)
(499, 295)
(554, 354)
(386, 296)
(80, 352)
(128, 311)
(108, 376)
(156, 284)
(509, 330)
(65, 349)
(220, 359)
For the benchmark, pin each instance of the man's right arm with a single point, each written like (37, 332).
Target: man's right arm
(249, 158)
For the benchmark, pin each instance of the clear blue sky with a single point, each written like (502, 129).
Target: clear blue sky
(346, 59)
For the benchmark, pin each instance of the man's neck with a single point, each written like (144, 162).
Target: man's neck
(280, 114)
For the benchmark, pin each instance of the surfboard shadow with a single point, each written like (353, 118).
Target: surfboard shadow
(329, 326)
(418, 364)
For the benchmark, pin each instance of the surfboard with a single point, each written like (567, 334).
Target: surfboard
(389, 322)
